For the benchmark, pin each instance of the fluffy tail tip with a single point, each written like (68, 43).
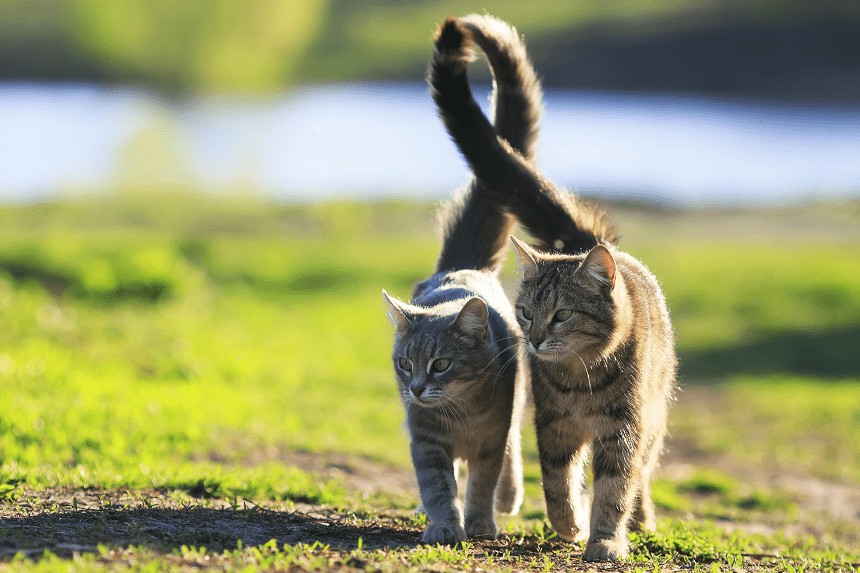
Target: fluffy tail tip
(452, 38)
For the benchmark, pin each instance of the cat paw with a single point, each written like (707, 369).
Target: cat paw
(481, 526)
(571, 533)
(443, 534)
(509, 500)
(567, 529)
(605, 550)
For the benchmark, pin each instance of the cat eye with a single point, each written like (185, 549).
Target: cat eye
(526, 313)
(441, 364)
(405, 364)
(562, 315)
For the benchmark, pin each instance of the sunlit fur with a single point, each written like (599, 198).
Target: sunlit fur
(602, 381)
(603, 371)
(472, 409)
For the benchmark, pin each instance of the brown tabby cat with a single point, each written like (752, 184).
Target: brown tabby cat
(461, 371)
(596, 326)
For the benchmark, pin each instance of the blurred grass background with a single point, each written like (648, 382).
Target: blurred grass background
(168, 339)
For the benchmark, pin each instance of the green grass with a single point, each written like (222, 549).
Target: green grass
(189, 346)
(807, 425)
(717, 495)
(676, 545)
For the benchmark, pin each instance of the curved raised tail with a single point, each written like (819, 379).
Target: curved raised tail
(476, 226)
(554, 217)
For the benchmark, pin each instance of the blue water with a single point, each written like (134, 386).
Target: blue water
(368, 141)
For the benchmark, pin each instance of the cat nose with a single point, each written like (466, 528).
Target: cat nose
(417, 390)
(536, 341)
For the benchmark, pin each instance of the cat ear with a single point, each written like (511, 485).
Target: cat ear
(473, 317)
(396, 312)
(600, 265)
(527, 257)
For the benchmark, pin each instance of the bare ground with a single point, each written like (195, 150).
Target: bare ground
(69, 521)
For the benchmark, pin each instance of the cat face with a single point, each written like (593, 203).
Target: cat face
(440, 353)
(565, 306)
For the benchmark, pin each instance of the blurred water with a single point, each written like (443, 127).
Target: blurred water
(367, 141)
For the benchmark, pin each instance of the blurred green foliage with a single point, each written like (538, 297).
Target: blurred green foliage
(200, 44)
(194, 45)
(257, 46)
(391, 37)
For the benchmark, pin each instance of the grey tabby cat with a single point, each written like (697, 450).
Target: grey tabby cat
(456, 353)
(597, 329)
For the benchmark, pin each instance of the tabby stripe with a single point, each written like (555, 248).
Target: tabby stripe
(605, 383)
(612, 456)
(554, 462)
(430, 459)
(559, 388)
(547, 285)
(618, 411)
(544, 416)
(608, 465)
(591, 315)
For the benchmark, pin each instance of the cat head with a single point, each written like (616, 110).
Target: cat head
(566, 306)
(440, 351)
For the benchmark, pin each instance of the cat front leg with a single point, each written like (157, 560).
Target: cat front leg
(434, 468)
(563, 453)
(484, 470)
(616, 485)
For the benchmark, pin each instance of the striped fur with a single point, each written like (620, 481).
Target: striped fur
(596, 328)
(461, 371)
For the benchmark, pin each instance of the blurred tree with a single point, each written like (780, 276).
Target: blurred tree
(155, 157)
(749, 48)
(205, 45)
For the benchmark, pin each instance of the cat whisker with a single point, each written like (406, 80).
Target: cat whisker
(501, 370)
(519, 339)
(584, 367)
(446, 417)
(458, 405)
(464, 407)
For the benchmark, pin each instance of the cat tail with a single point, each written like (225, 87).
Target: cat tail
(476, 227)
(556, 219)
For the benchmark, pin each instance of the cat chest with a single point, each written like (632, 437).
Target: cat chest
(609, 405)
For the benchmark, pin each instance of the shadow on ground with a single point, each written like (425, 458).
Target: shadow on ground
(164, 530)
(825, 354)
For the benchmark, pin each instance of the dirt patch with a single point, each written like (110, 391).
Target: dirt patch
(68, 521)
(133, 528)
(359, 474)
(813, 496)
